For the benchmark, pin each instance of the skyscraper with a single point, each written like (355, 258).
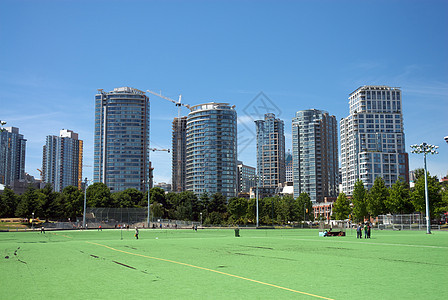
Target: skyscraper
(372, 138)
(179, 151)
(121, 159)
(62, 160)
(270, 151)
(212, 149)
(288, 167)
(12, 155)
(315, 154)
(246, 178)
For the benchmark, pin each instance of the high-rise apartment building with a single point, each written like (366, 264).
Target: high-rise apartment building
(372, 138)
(179, 151)
(288, 167)
(270, 151)
(62, 160)
(212, 149)
(121, 158)
(12, 155)
(246, 178)
(315, 154)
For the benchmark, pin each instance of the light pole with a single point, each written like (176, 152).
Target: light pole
(425, 149)
(85, 204)
(258, 180)
(149, 210)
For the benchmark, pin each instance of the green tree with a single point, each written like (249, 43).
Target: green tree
(187, 203)
(434, 195)
(341, 208)
(122, 199)
(359, 209)
(73, 200)
(444, 203)
(306, 207)
(398, 201)
(157, 210)
(377, 197)
(158, 195)
(47, 202)
(251, 210)
(237, 209)
(98, 195)
(28, 204)
(8, 203)
(136, 197)
(288, 209)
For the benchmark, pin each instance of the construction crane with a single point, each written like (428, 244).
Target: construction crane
(41, 174)
(155, 149)
(178, 103)
(179, 141)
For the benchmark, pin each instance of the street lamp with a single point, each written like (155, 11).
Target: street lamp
(85, 203)
(149, 211)
(425, 149)
(258, 183)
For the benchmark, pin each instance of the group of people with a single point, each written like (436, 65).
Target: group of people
(366, 227)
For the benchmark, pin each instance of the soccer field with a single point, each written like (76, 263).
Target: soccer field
(213, 264)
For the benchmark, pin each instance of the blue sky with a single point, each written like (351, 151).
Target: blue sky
(54, 55)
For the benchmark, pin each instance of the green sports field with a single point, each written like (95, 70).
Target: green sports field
(213, 264)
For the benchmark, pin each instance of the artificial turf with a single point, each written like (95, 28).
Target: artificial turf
(214, 264)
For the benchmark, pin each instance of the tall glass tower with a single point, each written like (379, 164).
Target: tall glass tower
(12, 155)
(270, 151)
(315, 154)
(212, 149)
(372, 138)
(121, 159)
(62, 160)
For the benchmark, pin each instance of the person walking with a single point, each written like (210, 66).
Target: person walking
(136, 233)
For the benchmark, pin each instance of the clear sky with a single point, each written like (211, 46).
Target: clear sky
(54, 55)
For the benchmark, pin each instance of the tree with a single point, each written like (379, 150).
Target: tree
(237, 209)
(158, 195)
(98, 195)
(28, 204)
(288, 209)
(135, 197)
(47, 204)
(306, 207)
(8, 203)
(73, 200)
(188, 201)
(359, 202)
(341, 208)
(434, 195)
(122, 199)
(398, 201)
(377, 197)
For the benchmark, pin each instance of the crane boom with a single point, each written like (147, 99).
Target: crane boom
(177, 103)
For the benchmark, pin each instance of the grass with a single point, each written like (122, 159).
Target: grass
(213, 264)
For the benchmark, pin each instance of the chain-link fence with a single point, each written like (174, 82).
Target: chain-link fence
(401, 222)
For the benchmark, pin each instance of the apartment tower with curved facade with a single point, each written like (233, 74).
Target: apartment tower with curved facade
(212, 149)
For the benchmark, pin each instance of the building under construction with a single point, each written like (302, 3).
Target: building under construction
(179, 157)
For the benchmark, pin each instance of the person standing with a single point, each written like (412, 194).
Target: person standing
(358, 231)
(368, 230)
(365, 231)
(136, 233)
